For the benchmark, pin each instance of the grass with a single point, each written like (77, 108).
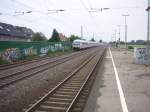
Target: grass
(58, 53)
(137, 46)
(134, 46)
(3, 62)
(28, 58)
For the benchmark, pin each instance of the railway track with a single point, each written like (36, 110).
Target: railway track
(12, 65)
(64, 96)
(8, 79)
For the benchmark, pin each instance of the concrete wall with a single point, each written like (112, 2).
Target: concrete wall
(11, 51)
(140, 55)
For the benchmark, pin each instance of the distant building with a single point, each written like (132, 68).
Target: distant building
(132, 42)
(140, 42)
(14, 33)
(62, 37)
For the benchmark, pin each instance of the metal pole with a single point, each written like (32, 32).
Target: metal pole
(148, 46)
(115, 39)
(119, 31)
(125, 30)
(119, 35)
(93, 35)
(81, 32)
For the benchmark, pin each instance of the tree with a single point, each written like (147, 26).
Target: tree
(92, 39)
(55, 36)
(38, 36)
(73, 37)
(122, 42)
(100, 41)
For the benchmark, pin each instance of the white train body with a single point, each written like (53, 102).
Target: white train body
(82, 44)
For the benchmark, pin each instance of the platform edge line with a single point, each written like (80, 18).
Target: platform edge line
(121, 94)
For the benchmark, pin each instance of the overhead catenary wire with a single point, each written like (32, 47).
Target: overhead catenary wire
(30, 9)
(33, 10)
(87, 9)
(19, 16)
(90, 4)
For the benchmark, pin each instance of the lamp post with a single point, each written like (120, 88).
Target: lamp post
(125, 15)
(119, 35)
(115, 39)
(81, 32)
(147, 48)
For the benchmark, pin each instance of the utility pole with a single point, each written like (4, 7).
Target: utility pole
(115, 39)
(93, 35)
(81, 32)
(119, 31)
(116, 35)
(125, 15)
(119, 35)
(148, 46)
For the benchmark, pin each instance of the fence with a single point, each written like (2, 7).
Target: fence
(10, 51)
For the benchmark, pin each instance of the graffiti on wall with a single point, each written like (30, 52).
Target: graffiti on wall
(58, 46)
(140, 55)
(44, 50)
(10, 54)
(30, 51)
(55, 47)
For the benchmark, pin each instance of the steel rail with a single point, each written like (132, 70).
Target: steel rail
(9, 82)
(84, 84)
(35, 106)
(13, 65)
(47, 63)
(38, 103)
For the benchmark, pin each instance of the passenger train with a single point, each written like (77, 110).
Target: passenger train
(83, 44)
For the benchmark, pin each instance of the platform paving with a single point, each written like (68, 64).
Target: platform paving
(135, 83)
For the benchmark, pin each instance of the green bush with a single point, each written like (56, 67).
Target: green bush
(130, 47)
(3, 61)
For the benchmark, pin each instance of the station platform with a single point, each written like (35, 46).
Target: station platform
(121, 85)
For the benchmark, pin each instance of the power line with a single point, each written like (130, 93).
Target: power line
(20, 3)
(87, 9)
(27, 6)
(90, 5)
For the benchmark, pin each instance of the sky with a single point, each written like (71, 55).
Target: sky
(102, 25)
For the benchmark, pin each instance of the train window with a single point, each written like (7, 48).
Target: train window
(84, 43)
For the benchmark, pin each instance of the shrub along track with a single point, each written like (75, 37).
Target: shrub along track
(71, 93)
(9, 78)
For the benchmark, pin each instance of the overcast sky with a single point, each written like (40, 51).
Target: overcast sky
(101, 25)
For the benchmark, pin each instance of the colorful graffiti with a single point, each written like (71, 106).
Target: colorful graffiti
(29, 51)
(55, 47)
(141, 57)
(44, 50)
(10, 54)
(12, 51)
(13, 54)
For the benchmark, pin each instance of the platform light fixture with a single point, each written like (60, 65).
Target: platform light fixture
(148, 46)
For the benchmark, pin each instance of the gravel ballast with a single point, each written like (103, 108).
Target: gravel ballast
(17, 97)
